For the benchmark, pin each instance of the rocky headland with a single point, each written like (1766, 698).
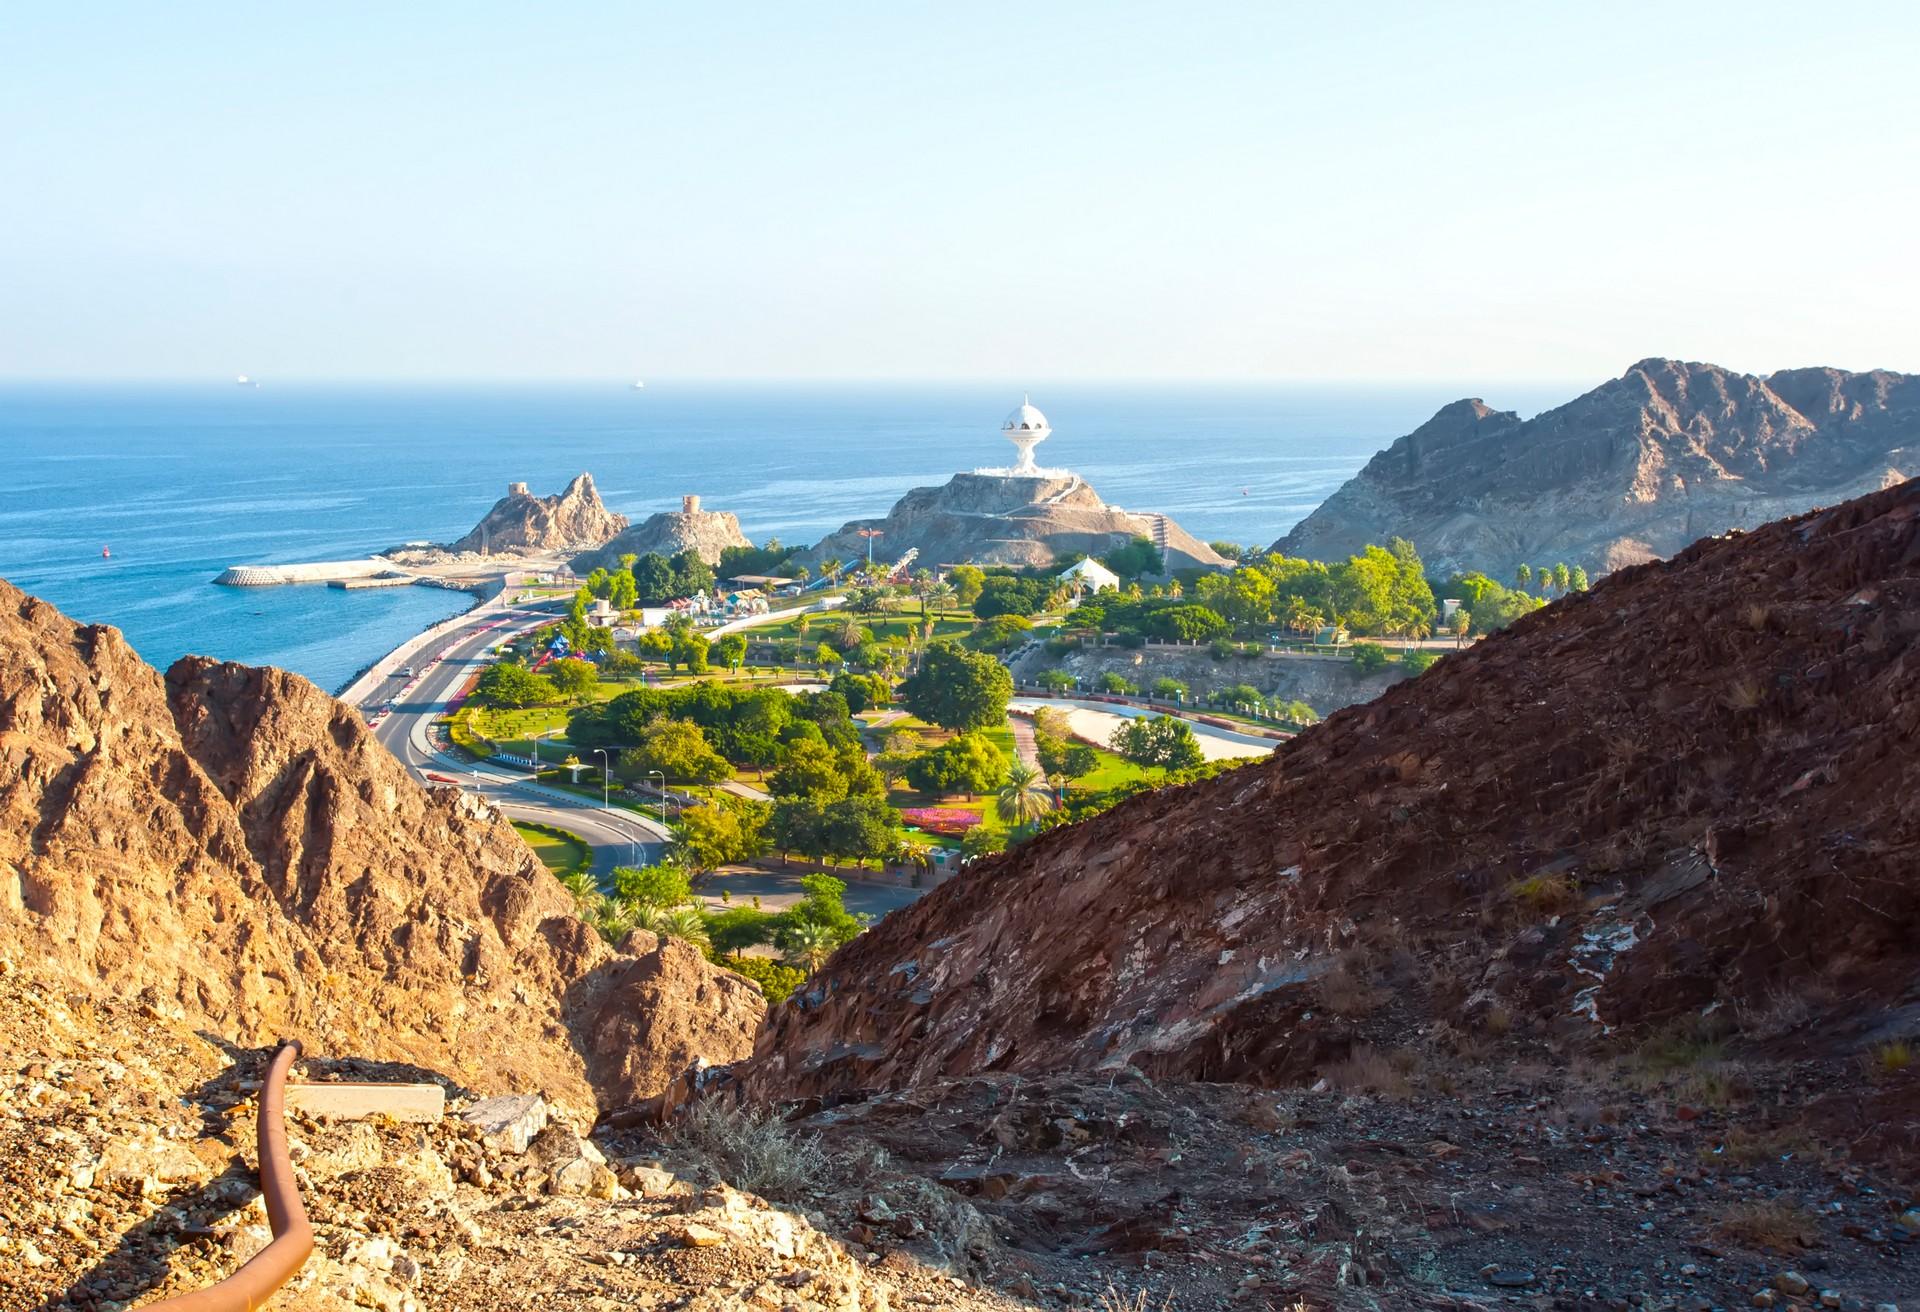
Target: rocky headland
(1634, 470)
(1009, 519)
(706, 533)
(521, 522)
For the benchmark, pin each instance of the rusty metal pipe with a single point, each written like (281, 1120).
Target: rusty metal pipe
(253, 1284)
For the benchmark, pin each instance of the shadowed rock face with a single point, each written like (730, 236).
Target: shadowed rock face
(997, 520)
(1686, 791)
(1634, 470)
(231, 845)
(521, 521)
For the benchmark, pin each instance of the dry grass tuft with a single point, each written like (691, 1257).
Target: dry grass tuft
(1369, 1070)
(1756, 616)
(1775, 1225)
(1347, 990)
(1546, 895)
(1742, 695)
(751, 1149)
(1780, 1013)
(1115, 1299)
(1891, 1057)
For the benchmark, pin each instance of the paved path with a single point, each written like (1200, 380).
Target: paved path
(1096, 721)
(1023, 740)
(778, 891)
(617, 836)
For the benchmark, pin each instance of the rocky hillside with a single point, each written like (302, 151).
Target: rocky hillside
(704, 532)
(520, 521)
(1680, 800)
(1634, 470)
(993, 519)
(231, 847)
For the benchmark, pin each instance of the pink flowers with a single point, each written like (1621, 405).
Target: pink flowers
(940, 819)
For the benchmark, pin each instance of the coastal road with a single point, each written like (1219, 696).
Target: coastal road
(617, 836)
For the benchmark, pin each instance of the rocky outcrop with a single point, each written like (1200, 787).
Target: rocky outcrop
(521, 521)
(996, 519)
(706, 533)
(1685, 794)
(232, 846)
(1634, 470)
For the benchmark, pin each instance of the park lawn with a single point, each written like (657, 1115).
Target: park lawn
(1113, 771)
(558, 849)
(888, 624)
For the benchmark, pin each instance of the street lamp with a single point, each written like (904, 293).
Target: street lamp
(606, 777)
(663, 793)
(545, 733)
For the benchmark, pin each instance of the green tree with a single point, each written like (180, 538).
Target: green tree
(958, 689)
(1117, 684)
(720, 833)
(1169, 689)
(738, 928)
(573, 679)
(1562, 577)
(660, 886)
(1577, 578)
(807, 944)
(654, 645)
(1137, 558)
(689, 649)
(654, 578)
(1418, 662)
(1189, 623)
(1023, 798)
(981, 841)
(1161, 740)
(1523, 575)
(1057, 681)
(968, 763)
(509, 685)
(682, 922)
(678, 749)
(827, 658)
(1062, 758)
(810, 769)
(691, 574)
(730, 650)
(1369, 657)
(857, 828)
(624, 592)
(966, 581)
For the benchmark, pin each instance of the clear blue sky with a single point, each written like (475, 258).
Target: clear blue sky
(1262, 190)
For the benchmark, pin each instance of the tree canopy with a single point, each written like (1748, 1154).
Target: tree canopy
(958, 689)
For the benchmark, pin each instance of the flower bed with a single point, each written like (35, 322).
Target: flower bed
(941, 819)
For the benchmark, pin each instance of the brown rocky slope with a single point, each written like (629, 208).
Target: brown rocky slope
(1634, 470)
(1683, 799)
(230, 846)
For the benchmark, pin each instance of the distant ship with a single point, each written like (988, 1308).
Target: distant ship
(244, 381)
(106, 553)
(639, 385)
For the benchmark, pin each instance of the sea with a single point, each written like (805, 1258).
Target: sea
(121, 503)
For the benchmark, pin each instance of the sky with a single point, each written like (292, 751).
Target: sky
(981, 190)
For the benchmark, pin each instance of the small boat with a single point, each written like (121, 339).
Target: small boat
(244, 381)
(639, 385)
(106, 553)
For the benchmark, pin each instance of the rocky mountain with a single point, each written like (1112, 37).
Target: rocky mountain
(1680, 800)
(520, 521)
(993, 519)
(230, 846)
(705, 532)
(1634, 470)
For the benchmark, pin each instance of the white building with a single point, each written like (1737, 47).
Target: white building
(1090, 575)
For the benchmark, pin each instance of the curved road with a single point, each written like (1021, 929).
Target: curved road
(618, 836)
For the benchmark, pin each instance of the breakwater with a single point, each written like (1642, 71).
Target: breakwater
(325, 571)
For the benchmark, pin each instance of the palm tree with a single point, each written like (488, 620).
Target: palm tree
(1523, 576)
(809, 944)
(677, 922)
(580, 883)
(1024, 797)
(913, 852)
(1416, 631)
(1462, 626)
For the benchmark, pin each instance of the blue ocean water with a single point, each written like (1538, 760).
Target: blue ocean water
(184, 480)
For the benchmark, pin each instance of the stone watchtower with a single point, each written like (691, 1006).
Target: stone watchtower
(689, 505)
(518, 490)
